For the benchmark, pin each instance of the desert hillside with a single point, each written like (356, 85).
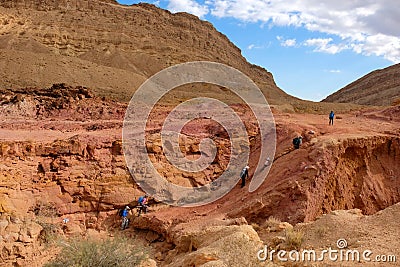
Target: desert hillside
(113, 49)
(378, 88)
(109, 47)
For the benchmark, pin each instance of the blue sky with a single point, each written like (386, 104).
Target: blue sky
(313, 48)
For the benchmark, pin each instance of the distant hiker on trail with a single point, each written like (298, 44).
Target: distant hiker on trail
(331, 116)
(266, 163)
(124, 214)
(297, 142)
(243, 175)
(142, 204)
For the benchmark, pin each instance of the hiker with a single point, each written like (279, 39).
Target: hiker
(142, 203)
(297, 142)
(243, 175)
(267, 162)
(331, 116)
(124, 214)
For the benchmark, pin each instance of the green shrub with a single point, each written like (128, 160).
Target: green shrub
(117, 252)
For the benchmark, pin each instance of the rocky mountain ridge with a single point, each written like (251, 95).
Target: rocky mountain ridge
(378, 88)
(115, 47)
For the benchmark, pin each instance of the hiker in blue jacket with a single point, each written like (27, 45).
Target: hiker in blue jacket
(125, 220)
(142, 203)
(331, 116)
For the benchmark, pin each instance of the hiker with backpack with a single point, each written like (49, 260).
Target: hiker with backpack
(297, 142)
(142, 204)
(331, 116)
(243, 175)
(125, 220)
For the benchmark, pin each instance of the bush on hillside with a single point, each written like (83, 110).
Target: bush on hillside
(119, 252)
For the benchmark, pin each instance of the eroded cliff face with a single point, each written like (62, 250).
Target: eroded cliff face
(329, 174)
(63, 172)
(363, 174)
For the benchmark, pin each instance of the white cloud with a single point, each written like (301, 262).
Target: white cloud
(189, 6)
(324, 45)
(382, 45)
(286, 42)
(368, 27)
(253, 46)
(335, 71)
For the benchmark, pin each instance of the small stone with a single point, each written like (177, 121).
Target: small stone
(3, 226)
(159, 256)
(72, 229)
(13, 228)
(25, 238)
(34, 230)
(148, 263)
(284, 225)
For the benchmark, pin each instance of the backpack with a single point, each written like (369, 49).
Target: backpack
(140, 200)
(296, 141)
(120, 212)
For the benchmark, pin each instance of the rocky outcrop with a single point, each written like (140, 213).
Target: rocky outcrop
(330, 174)
(362, 174)
(18, 239)
(62, 168)
(60, 102)
(204, 242)
(62, 165)
(218, 246)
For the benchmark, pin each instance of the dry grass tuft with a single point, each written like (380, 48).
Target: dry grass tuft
(118, 252)
(293, 238)
(272, 221)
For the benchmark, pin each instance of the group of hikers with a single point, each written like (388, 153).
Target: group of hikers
(297, 141)
(142, 206)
